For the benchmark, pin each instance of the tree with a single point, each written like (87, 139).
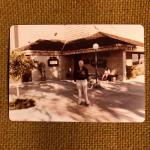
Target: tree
(19, 64)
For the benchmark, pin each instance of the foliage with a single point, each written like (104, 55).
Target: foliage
(132, 72)
(19, 64)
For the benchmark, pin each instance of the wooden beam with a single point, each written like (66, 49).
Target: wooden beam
(135, 51)
(101, 49)
(42, 53)
(80, 51)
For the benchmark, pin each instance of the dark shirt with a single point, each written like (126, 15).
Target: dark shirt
(81, 74)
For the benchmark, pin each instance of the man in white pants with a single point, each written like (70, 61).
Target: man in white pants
(81, 77)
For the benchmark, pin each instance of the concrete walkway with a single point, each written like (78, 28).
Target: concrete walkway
(57, 101)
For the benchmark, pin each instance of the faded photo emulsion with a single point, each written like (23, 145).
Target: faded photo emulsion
(76, 73)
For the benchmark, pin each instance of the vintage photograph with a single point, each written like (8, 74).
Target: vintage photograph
(77, 73)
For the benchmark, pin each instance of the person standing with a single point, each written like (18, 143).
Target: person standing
(80, 77)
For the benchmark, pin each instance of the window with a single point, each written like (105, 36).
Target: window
(86, 61)
(141, 56)
(135, 59)
(101, 63)
(141, 61)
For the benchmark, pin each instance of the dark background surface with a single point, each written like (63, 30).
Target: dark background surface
(71, 136)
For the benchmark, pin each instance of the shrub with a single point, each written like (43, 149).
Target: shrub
(19, 64)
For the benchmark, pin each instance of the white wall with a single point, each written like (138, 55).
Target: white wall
(53, 72)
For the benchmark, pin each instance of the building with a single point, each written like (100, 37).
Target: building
(61, 57)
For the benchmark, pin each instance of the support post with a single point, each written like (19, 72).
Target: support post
(96, 66)
(124, 65)
(16, 36)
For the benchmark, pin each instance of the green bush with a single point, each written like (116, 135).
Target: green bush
(19, 64)
(132, 72)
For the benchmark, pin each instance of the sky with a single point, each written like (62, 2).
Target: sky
(31, 33)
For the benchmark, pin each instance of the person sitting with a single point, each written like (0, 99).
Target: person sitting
(106, 74)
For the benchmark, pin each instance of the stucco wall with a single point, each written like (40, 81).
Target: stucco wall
(117, 62)
(53, 72)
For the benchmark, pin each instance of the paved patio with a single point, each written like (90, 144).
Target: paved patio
(57, 101)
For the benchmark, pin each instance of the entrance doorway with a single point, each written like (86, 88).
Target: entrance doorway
(76, 60)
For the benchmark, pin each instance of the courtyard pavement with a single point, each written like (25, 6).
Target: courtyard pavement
(57, 101)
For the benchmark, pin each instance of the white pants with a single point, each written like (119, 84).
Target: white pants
(82, 85)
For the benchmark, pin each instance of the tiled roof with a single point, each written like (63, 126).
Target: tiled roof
(78, 37)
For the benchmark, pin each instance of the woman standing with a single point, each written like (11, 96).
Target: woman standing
(81, 77)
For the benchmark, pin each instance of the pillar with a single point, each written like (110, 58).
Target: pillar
(124, 65)
(16, 36)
